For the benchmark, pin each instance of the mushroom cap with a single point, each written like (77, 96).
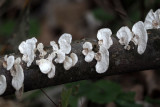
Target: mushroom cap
(65, 43)
(74, 58)
(103, 64)
(88, 45)
(51, 74)
(54, 45)
(60, 57)
(27, 48)
(18, 77)
(51, 56)
(89, 57)
(87, 51)
(40, 47)
(104, 35)
(10, 61)
(141, 36)
(44, 65)
(157, 17)
(152, 20)
(3, 84)
(67, 63)
(124, 35)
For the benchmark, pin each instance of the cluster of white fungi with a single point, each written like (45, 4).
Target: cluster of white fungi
(61, 52)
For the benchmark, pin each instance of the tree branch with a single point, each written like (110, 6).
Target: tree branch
(121, 61)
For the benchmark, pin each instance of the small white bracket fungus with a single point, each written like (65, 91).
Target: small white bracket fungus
(102, 58)
(17, 74)
(124, 35)
(140, 36)
(67, 63)
(60, 57)
(40, 47)
(65, 43)
(54, 45)
(51, 74)
(104, 37)
(74, 58)
(28, 48)
(152, 20)
(87, 51)
(46, 66)
(9, 62)
(3, 84)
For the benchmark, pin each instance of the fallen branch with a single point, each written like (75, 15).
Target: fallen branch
(121, 61)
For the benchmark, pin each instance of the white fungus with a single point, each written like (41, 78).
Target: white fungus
(60, 57)
(54, 45)
(9, 61)
(40, 47)
(17, 74)
(87, 51)
(102, 57)
(51, 74)
(140, 36)
(124, 35)
(74, 58)
(104, 37)
(46, 66)
(65, 43)
(102, 60)
(152, 20)
(28, 48)
(67, 63)
(3, 84)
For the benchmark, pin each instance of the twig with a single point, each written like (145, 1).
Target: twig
(48, 97)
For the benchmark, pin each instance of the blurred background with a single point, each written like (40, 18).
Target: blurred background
(48, 19)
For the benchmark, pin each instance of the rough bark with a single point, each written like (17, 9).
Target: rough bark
(121, 61)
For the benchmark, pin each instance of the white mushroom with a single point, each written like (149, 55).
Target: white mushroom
(9, 61)
(28, 48)
(46, 66)
(104, 37)
(54, 45)
(140, 36)
(3, 84)
(60, 57)
(124, 35)
(65, 43)
(40, 47)
(51, 74)
(74, 58)
(67, 63)
(152, 20)
(17, 74)
(102, 57)
(102, 60)
(87, 51)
